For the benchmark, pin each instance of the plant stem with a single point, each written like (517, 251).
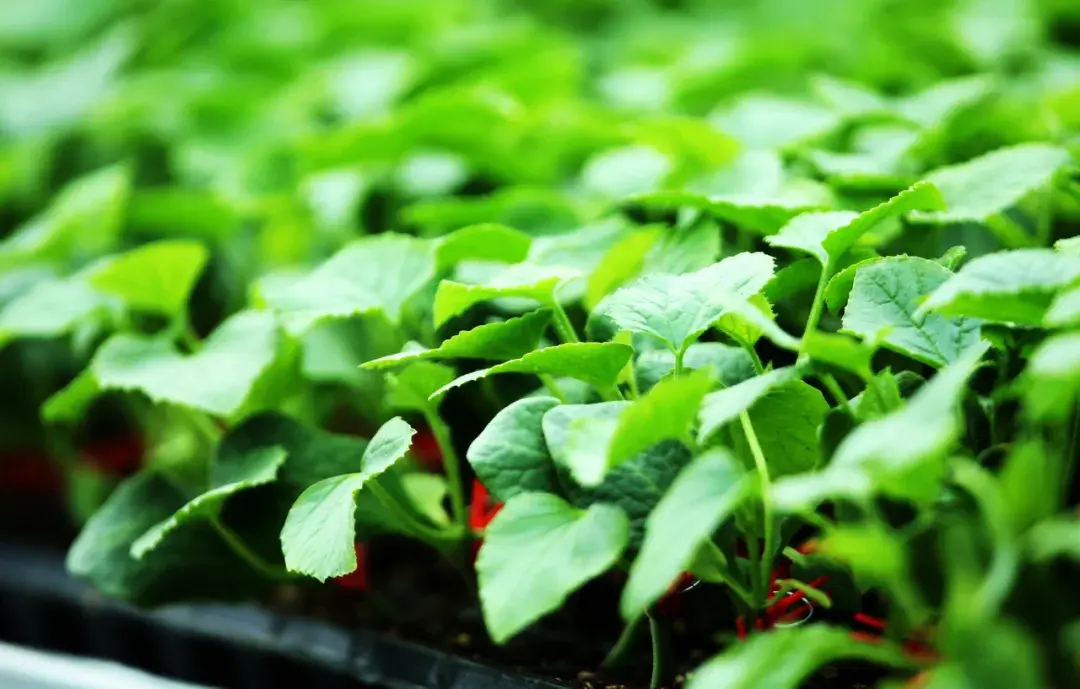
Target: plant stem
(1046, 214)
(452, 465)
(758, 366)
(766, 486)
(430, 534)
(1009, 232)
(622, 647)
(1069, 460)
(721, 564)
(563, 327)
(237, 545)
(553, 387)
(611, 393)
(659, 649)
(819, 298)
(835, 390)
(679, 362)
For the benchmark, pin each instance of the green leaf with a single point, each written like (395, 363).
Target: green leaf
(219, 379)
(412, 388)
(635, 485)
(499, 341)
(785, 658)
(666, 412)
(827, 236)
(1053, 538)
(704, 494)
(1051, 380)
(677, 309)
(760, 120)
(729, 364)
(622, 262)
(884, 307)
(50, 308)
(596, 363)
(901, 454)
(510, 456)
(1064, 311)
(227, 478)
(840, 285)
(69, 404)
(374, 274)
(840, 351)
(156, 277)
(787, 421)
(537, 283)
(537, 551)
(482, 242)
(193, 564)
(320, 532)
(684, 249)
(1007, 287)
(881, 396)
(720, 407)
(992, 183)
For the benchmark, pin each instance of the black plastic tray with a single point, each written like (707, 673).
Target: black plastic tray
(228, 646)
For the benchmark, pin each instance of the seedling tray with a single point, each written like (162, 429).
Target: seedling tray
(227, 646)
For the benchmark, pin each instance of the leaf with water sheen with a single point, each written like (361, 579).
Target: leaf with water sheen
(703, 495)
(596, 363)
(884, 307)
(498, 341)
(1007, 287)
(537, 551)
(319, 535)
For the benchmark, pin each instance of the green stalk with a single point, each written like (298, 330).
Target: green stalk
(622, 647)
(1008, 232)
(430, 534)
(563, 327)
(835, 390)
(659, 649)
(766, 486)
(819, 298)
(553, 387)
(679, 362)
(452, 465)
(237, 545)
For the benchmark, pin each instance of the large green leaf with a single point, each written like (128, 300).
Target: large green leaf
(374, 274)
(992, 183)
(51, 308)
(156, 277)
(884, 307)
(411, 388)
(498, 341)
(1007, 287)
(635, 485)
(900, 454)
(785, 658)
(827, 236)
(703, 495)
(720, 407)
(1064, 311)
(677, 309)
(510, 456)
(525, 281)
(219, 379)
(319, 534)
(596, 363)
(539, 550)
(787, 421)
(226, 479)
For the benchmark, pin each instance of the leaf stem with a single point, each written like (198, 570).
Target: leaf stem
(758, 366)
(563, 327)
(721, 564)
(679, 362)
(766, 486)
(553, 387)
(835, 390)
(818, 304)
(1009, 232)
(452, 465)
(617, 655)
(659, 649)
(237, 545)
(1069, 460)
(430, 534)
